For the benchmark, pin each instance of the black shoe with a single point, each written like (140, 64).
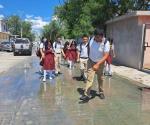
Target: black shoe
(82, 78)
(59, 73)
(84, 98)
(56, 74)
(101, 96)
(85, 81)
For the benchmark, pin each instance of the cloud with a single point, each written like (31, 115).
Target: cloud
(1, 16)
(29, 16)
(1, 6)
(37, 22)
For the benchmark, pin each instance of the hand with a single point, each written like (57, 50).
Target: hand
(43, 56)
(95, 67)
(64, 56)
(78, 60)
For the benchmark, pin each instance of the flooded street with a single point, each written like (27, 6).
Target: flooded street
(26, 100)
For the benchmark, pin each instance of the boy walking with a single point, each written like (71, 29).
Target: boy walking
(98, 52)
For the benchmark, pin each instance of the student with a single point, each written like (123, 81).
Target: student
(58, 49)
(42, 55)
(108, 70)
(98, 52)
(83, 57)
(48, 61)
(66, 51)
(72, 55)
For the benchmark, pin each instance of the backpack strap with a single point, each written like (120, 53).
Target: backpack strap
(89, 44)
(105, 41)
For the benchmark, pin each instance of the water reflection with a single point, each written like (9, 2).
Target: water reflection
(146, 99)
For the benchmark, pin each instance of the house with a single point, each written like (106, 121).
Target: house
(4, 34)
(131, 34)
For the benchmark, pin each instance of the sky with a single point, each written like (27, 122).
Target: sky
(39, 12)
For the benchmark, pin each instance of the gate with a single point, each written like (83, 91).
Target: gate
(146, 59)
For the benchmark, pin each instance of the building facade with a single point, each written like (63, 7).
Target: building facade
(131, 34)
(4, 34)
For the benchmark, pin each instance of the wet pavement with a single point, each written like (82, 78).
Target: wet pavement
(26, 100)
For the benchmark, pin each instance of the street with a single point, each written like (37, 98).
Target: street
(26, 100)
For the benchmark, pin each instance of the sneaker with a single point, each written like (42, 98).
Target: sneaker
(41, 72)
(44, 80)
(85, 81)
(59, 73)
(84, 98)
(101, 95)
(50, 78)
(56, 74)
(81, 78)
(110, 74)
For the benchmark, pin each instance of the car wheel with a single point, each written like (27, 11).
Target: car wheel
(15, 54)
(30, 53)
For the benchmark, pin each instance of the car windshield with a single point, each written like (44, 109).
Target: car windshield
(5, 43)
(21, 41)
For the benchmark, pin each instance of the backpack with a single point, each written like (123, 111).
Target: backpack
(81, 46)
(38, 52)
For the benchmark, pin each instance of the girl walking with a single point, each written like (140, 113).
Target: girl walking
(48, 61)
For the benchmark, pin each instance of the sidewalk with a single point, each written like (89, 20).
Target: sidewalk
(132, 74)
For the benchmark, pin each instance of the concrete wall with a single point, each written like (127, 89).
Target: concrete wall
(4, 36)
(127, 35)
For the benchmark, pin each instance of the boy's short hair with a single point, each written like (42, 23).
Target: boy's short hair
(98, 32)
(85, 36)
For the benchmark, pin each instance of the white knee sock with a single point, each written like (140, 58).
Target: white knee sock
(45, 74)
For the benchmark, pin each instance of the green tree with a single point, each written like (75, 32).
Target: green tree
(27, 30)
(82, 16)
(51, 30)
(14, 24)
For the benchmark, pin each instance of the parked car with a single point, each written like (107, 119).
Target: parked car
(6, 46)
(22, 46)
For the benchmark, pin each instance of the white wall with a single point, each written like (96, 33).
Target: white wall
(127, 35)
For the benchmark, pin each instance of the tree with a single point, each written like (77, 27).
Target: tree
(51, 30)
(82, 16)
(15, 24)
(27, 30)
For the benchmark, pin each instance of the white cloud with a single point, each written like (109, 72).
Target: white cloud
(1, 16)
(29, 16)
(37, 22)
(1, 6)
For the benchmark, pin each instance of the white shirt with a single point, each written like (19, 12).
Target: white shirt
(57, 47)
(83, 48)
(41, 45)
(98, 49)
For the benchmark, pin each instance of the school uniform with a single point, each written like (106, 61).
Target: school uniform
(72, 56)
(96, 52)
(57, 46)
(48, 61)
(83, 50)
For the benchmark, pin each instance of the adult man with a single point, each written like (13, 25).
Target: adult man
(98, 52)
(83, 55)
(57, 45)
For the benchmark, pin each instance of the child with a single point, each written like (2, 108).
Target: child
(48, 61)
(72, 54)
(108, 70)
(66, 50)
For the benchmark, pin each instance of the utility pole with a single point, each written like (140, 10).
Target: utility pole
(21, 29)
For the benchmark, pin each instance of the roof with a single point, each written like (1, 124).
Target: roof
(129, 15)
